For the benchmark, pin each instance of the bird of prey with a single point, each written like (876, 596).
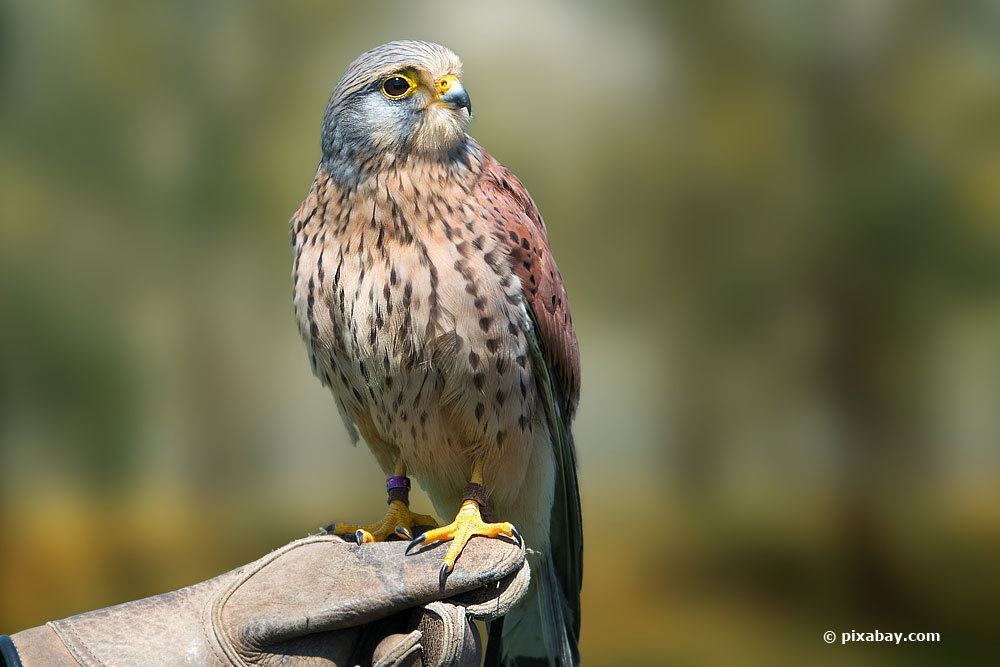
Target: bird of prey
(432, 308)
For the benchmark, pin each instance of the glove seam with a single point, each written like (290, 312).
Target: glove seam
(76, 644)
(395, 657)
(233, 643)
(450, 652)
(229, 646)
(204, 633)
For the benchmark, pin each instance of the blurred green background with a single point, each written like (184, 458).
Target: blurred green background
(779, 223)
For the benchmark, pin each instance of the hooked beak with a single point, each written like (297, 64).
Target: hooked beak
(452, 94)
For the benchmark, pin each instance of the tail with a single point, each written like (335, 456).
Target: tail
(545, 627)
(542, 629)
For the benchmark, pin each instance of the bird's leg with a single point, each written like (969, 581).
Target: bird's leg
(398, 519)
(467, 523)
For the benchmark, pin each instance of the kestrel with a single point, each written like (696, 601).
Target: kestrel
(432, 307)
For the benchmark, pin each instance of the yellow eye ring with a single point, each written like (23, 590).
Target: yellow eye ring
(397, 86)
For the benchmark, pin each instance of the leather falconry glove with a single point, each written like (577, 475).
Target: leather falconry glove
(315, 601)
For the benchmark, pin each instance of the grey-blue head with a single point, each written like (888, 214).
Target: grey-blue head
(400, 99)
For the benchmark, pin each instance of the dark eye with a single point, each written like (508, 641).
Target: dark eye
(395, 86)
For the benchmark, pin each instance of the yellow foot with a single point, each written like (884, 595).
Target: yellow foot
(398, 520)
(468, 523)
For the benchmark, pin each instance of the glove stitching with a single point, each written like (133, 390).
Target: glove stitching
(77, 646)
(397, 654)
(198, 613)
(229, 645)
(449, 651)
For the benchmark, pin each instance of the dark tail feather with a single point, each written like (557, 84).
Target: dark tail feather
(561, 627)
(540, 630)
(558, 573)
(566, 536)
(493, 644)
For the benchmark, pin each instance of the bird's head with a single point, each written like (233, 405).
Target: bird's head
(398, 99)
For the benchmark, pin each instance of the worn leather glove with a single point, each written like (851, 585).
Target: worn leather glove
(319, 600)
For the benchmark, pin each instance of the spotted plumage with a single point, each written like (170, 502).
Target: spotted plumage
(431, 306)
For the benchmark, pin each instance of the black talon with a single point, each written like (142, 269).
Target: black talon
(443, 574)
(359, 536)
(403, 532)
(415, 543)
(517, 536)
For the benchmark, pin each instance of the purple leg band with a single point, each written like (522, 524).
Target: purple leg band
(397, 482)
(398, 488)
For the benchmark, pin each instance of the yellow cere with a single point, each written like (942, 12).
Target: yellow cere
(445, 83)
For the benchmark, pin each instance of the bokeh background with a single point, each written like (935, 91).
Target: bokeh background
(779, 223)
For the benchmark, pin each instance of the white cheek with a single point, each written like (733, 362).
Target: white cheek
(384, 118)
(390, 125)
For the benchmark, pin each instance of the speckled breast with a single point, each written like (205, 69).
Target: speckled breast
(413, 318)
